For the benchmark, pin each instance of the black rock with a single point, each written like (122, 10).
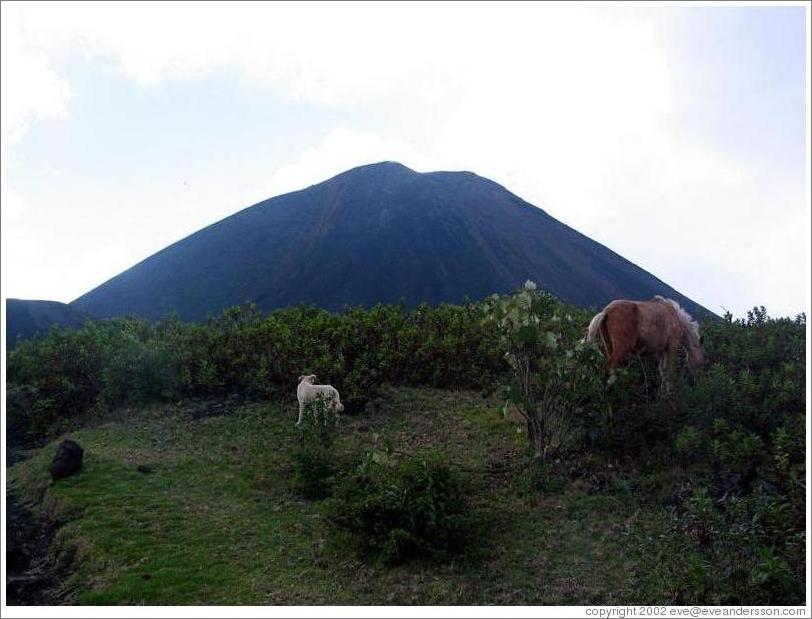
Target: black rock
(68, 459)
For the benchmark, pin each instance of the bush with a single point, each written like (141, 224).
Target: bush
(313, 472)
(313, 462)
(555, 377)
(64, 368)
(241, 350)
(139, 370)
(748, 546)
(394, 513)
(689, 444)
(539, 476)
(735, 454)
(788, 463)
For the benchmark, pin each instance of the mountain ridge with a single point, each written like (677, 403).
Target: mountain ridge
(375, 233)
(26, 318)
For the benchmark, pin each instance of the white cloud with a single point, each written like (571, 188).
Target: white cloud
(571, 108)
(13, 206)
(77, 267)
(32, 90)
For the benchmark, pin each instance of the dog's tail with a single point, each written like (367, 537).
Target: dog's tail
(337, 401)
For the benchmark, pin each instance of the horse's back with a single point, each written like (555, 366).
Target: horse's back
(648, 325)
(658, 325)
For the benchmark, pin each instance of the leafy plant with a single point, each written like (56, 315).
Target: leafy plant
(689, 444)
(554, 377)
(734, 451)
(314, 465)
(397, 512)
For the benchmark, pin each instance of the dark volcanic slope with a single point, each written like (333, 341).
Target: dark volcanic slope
(377, 233)
(25, 318)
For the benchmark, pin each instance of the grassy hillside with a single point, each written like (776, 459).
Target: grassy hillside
(195, 476)
(214, 520)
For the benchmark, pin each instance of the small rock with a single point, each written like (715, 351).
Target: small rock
(67, 460)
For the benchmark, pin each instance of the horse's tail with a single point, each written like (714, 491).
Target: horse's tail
(596, 329)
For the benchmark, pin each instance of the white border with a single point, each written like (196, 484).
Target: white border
(443, 611)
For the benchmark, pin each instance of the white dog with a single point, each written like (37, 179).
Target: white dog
(306, 392)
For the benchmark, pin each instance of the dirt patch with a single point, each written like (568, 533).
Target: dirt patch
(201, 408)
(34, 574)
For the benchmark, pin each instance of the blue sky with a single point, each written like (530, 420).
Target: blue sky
(125, 138)
(744, 72)
(674, 135)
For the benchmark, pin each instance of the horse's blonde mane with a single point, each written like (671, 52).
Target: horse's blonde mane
(691, 325)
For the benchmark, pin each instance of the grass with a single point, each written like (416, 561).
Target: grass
(169, 509)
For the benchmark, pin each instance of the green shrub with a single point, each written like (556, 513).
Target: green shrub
(241, 350)
(788, 444)
(555, 377)
(313, 462)
(735, 451)
(138, 371)
(64, 368)
(313, 472)
(742, 549)
(394, 513)
(540, 476)
(689, 444)
(773, 578)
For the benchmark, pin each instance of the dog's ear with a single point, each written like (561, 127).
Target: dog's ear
(301, 378)
(314, 377)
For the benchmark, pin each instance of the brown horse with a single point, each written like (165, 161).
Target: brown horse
(660, 327)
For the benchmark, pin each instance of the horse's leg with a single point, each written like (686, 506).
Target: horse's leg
(620, 332)
(668, 362)
(620, 350)
(662, 364)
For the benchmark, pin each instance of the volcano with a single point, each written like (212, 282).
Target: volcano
(380, 233)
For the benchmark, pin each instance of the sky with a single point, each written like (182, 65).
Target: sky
(675, 135)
